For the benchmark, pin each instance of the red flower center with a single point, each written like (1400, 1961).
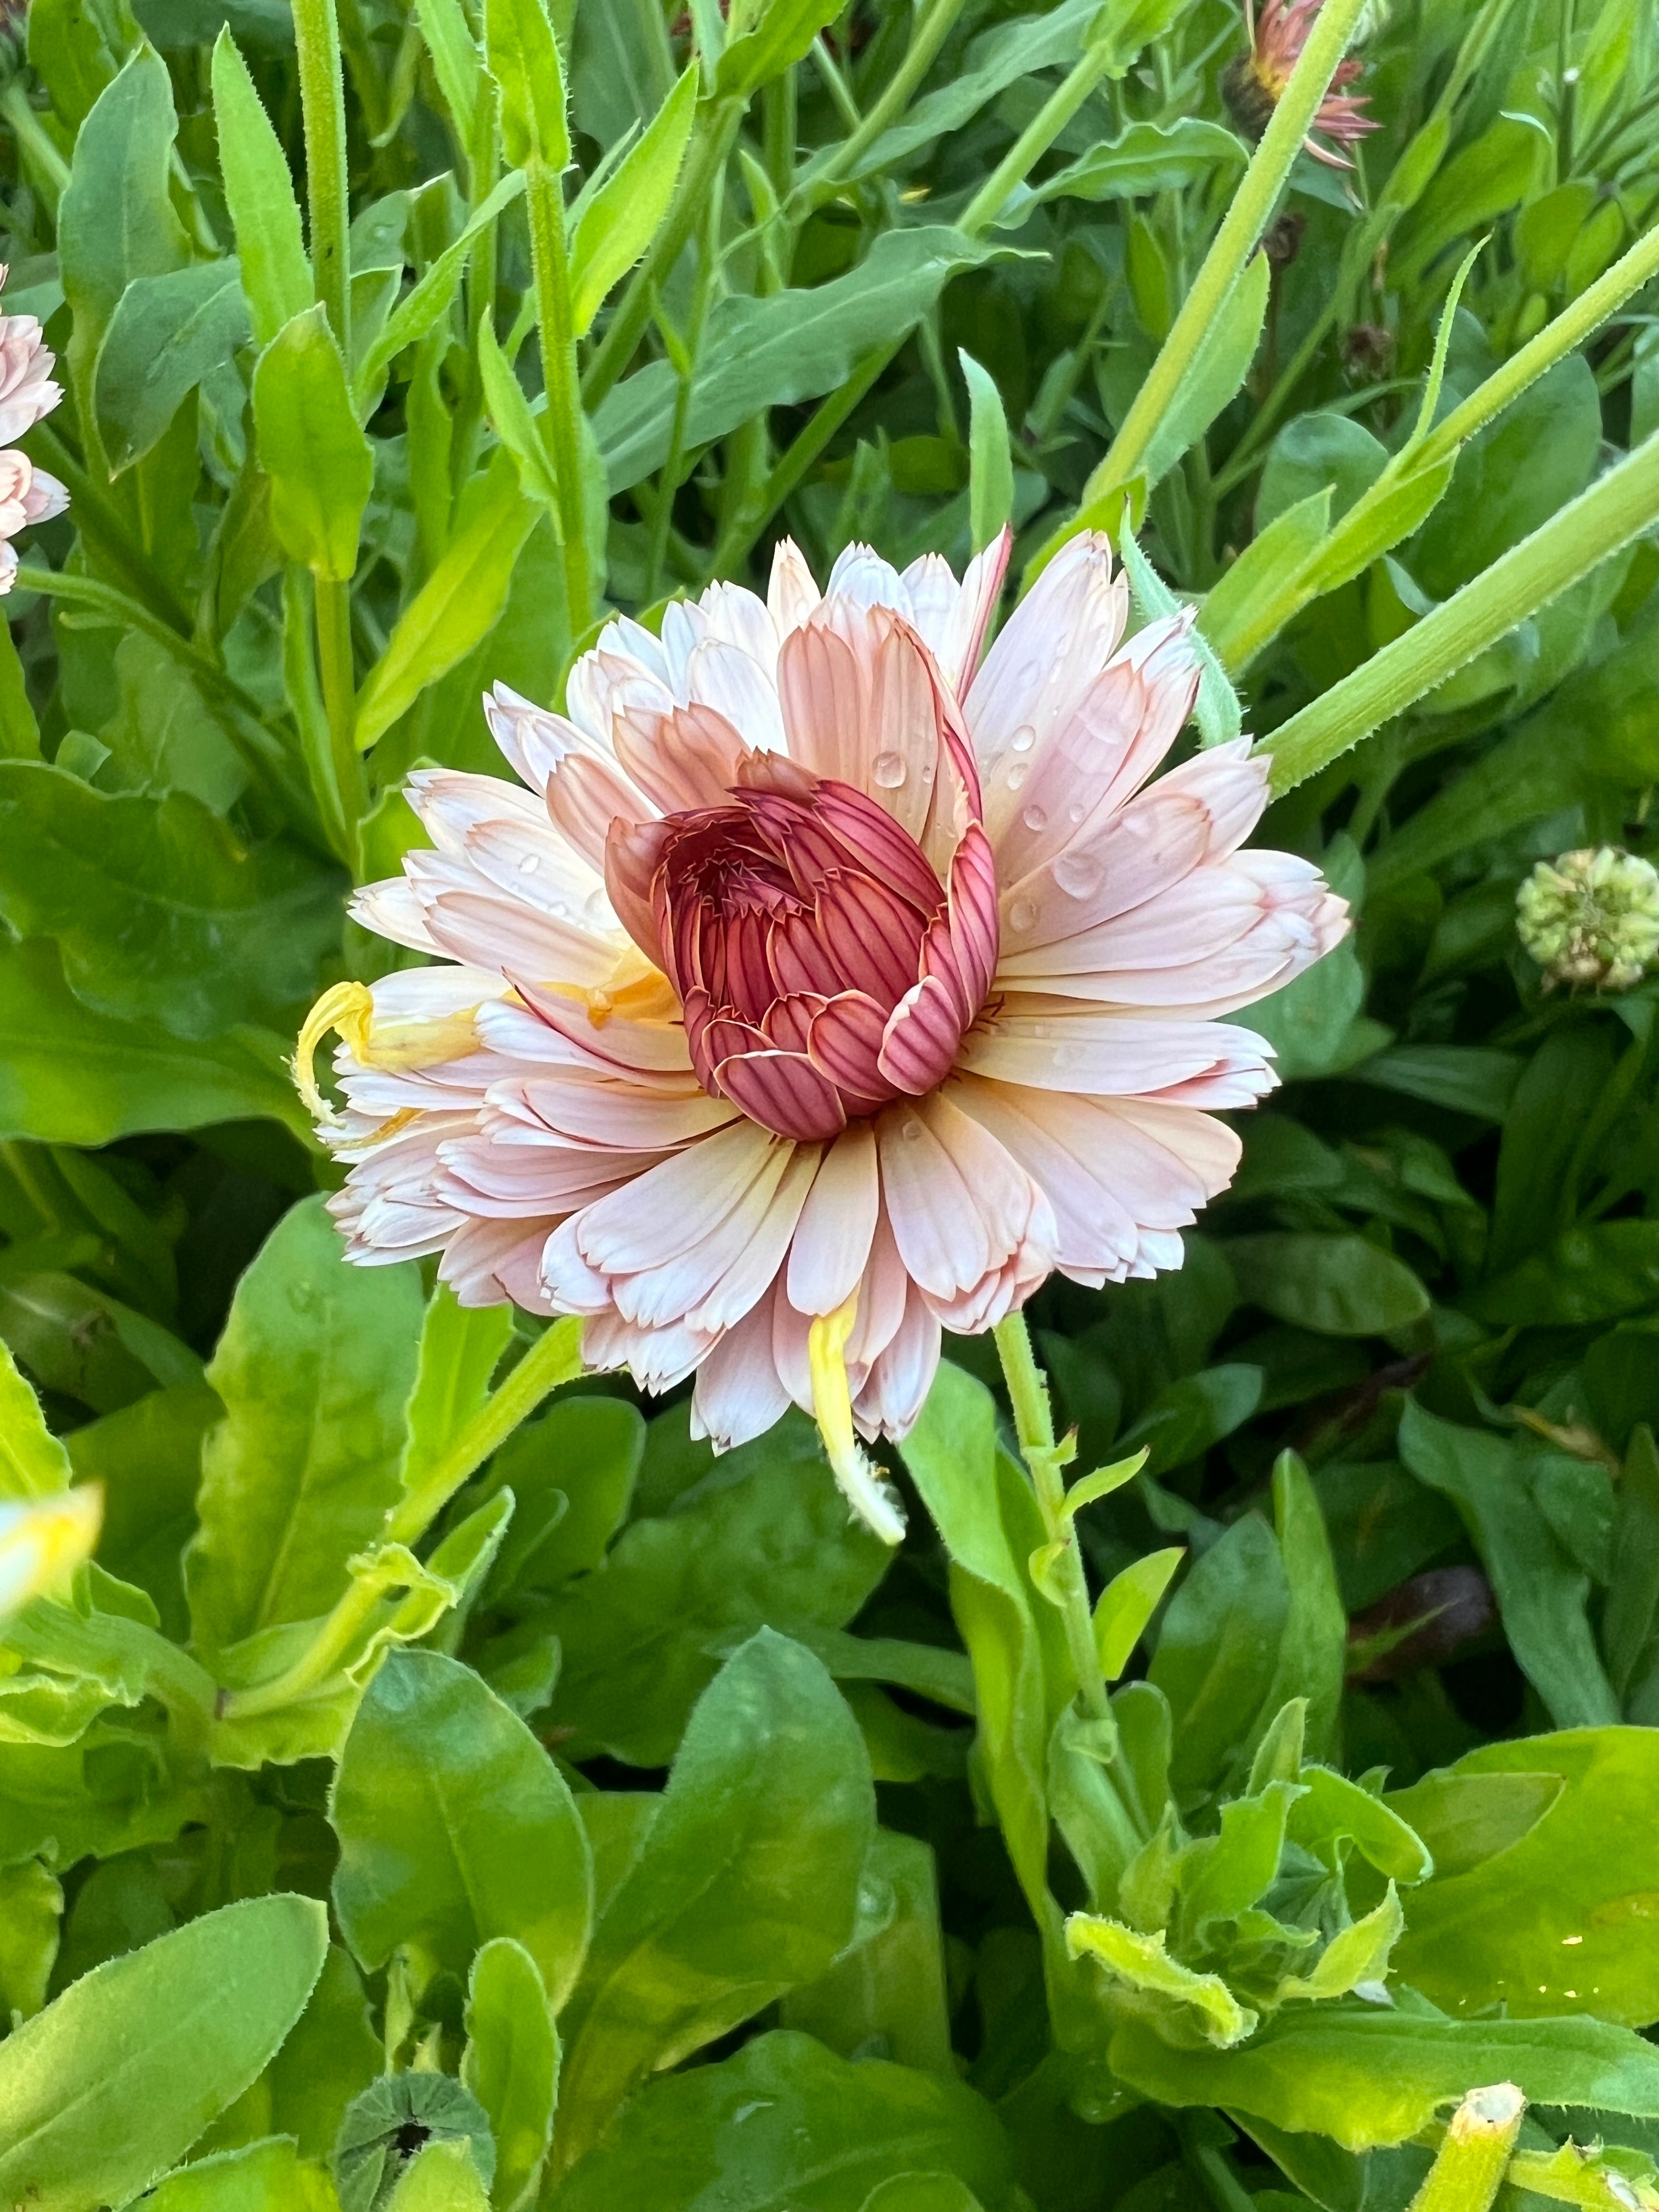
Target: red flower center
(809, 940)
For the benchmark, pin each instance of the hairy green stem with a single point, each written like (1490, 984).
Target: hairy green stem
(711, 140)
(1034, 1424)
(1581, 535)
(339, 702)
(101, 522)
(328, 205)
(562, 424)
(1241, 228)
(555, 1357)
(1471, 2161)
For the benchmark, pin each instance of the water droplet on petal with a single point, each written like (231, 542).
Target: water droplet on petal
(1023, 739)
(911, 1130)
(1039, 1028)
(560, 910)
(1078, 873)
(1022, 914)
(1075, 811)
(597, 906)
(1016, 773)
(887, 771)
(1036, 817)
(531, 862)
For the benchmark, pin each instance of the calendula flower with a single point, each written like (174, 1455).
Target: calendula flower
(43, 1540)
(1591, 918)
(27, 393)
(826, 987)
(1255, 84)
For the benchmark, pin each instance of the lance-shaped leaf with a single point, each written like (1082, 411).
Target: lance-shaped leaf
(265, 214)
(318, 461)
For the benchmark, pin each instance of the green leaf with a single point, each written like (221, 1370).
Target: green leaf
(148, 1458)
(1561, 1920)
(522, 55)
(331, 2055)
(762, 353)
(1001, 56)
(158, 911)
(572, 1474)
(315, 1368)
(787, 2126)
(1368, 2075)
(1217, 711)
(1145, 159)
(1355, 1957)
(420, 309)
(461, 1347)
(625, 214)
(1597, 1272)
(33, 1462)
(783, 33)
(1337, 1285)
(443, 2179)
(455, 59)
(1542, 1592)
(71, 1076)
(110, 2086)
(395, 2126)
(31, 1908)
(515, 425)
(991, 463)
(1230, 607)
(766, 1542)
(1313, 1650)
(265, 2177)
(1126, 1604)
(1333, 1809)
(168, 332)
(455, 1827)
(889, 1992)
(1217, 1649)
(456, 607)
(985, 1514)
(748, 1882)
(1218, 368)
(276, 275)
(1141, 1964)
(116, 221)
(318, 461)
(511, 2063)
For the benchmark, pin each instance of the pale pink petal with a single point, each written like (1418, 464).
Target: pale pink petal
(837, 1223)
(1049, 651)
(1045, 1043)
(900, 1376)
(974, 1231)
(739, 1394)
(659, 1360)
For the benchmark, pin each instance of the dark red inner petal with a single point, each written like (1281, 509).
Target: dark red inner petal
(791, 923)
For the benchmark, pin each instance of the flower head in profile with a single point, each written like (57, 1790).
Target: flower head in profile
(1255, 84)
(821, 984)
(27, 393)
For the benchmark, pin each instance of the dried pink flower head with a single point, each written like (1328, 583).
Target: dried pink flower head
(1255, 84)
(826, 988)
(27, 393)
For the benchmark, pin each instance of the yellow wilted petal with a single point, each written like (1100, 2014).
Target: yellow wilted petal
(394, 1045)
(860, 1479)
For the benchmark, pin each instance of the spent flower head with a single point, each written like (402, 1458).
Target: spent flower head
(820, 985)
(1591, 918)
(1253, 85)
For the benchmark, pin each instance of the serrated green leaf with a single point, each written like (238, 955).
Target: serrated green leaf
(275, 272)
(625, 214)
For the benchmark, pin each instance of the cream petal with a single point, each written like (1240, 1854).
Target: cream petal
(861, 575)
(615, 1116)
(1046, 1046)
(791, 595)
(724, 676)
(670, 1211)
(604, 679)
(659, 1360)
(736, 616)
(470, 920)
(895, 1388)
(832, 1238)
(391, 910)
(533, 740)
(488, 1261)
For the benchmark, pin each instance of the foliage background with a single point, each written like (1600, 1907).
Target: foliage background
(662, 1745)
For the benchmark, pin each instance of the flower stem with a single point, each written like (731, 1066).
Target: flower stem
(339, 703)
(1038, 135)
(1034, 1424)
(928, 36)
(562, 425)
(1234, 242)
(1598, 523)
(50, 170)
(555, 1357)
(322, 103)
(1473, 2158)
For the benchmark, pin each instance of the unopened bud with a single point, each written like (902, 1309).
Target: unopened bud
(1591, 918)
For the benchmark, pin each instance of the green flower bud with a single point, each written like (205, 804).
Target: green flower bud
(1591, 918)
